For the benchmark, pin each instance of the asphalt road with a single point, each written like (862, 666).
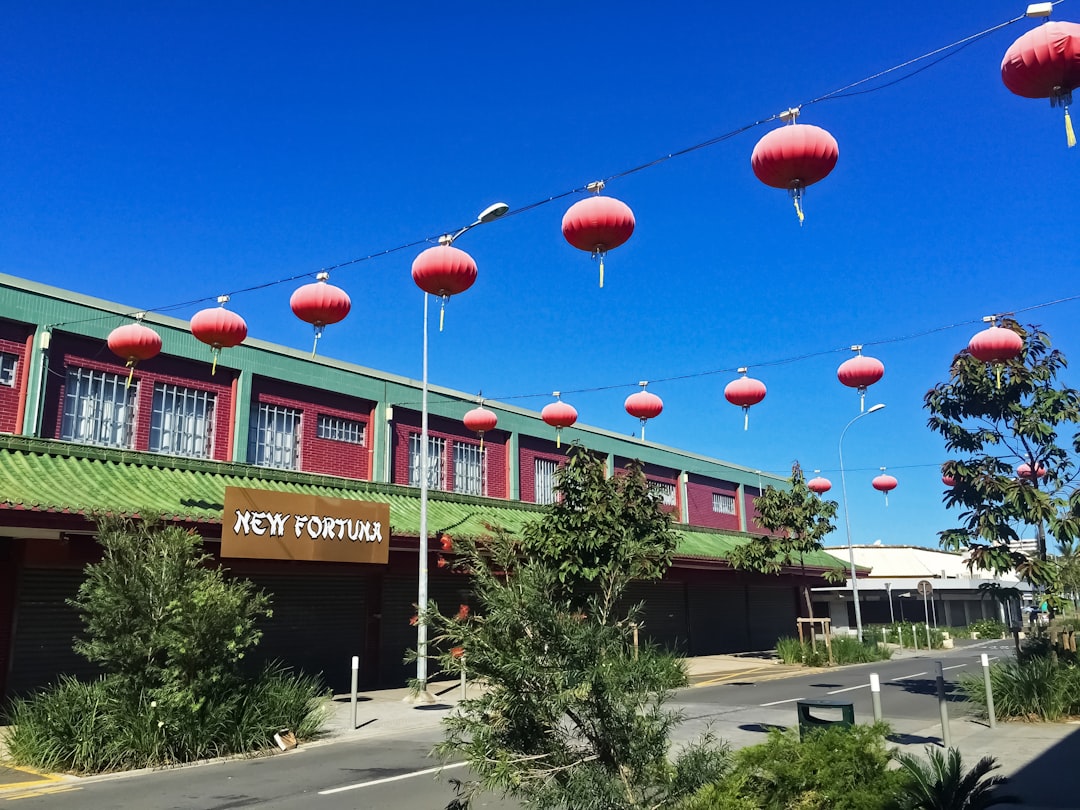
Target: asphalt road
(395, 771)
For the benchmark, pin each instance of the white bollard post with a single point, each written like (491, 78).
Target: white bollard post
(989, 691)
(943, 707)
(875, 692)
(355, 678)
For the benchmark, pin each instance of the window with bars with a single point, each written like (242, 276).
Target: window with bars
(665, 490)
(436, 468)
(468, 469)
(182, 421)
(340, 430)
(544, 480)
(9, 364)
(98, 408)
(274, 437)
(723, 504)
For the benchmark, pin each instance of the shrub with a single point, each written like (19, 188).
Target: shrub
(987, 628)
(835, 768)
(940, 782)
(1036, 689)
(789, 650)
(852, 651)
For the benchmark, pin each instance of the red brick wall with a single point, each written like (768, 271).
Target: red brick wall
(68, 351)
(699, 503)
(325, 456)
(530, 449)
(661, 475)
(407, 423)
(749, 493)
(13, 342)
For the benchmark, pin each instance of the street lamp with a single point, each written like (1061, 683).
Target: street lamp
(847, 519)
(888, 593)
(492, 212)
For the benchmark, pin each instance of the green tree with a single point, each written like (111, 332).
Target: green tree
(571, 715)
(997, 417)
(799, 521)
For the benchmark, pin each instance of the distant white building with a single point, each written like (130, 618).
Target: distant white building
(956, 595)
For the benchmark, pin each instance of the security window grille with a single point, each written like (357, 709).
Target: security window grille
(544, 480)
(723, 504)
(274, 437)
(666, 491)
(468, 469)
(436, 473)
(340, 430)
(98, 408)
(182, 422)
(8, 364)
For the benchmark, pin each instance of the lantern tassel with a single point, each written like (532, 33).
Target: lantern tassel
(315, 345)
(131, 373)
(601, 271)
(1070, 136)
(481, 442)
(796, 199)
(558, 438)
(442, 313)
(997, 370)
(746, 418)
(213, 368)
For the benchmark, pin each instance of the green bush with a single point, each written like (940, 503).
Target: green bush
(835, 768)
(852, 651)
(987, 628)
(941, 783)
(102, 726)
(1040, 688)
(789, 650)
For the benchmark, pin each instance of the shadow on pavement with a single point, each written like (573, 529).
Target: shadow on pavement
(1047, 781)
(762, 728)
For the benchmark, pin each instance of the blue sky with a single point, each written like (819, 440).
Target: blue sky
(156, 154)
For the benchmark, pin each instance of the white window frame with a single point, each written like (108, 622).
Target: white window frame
(721, 501)
(9, 369)
(182, 421)
(544, 470)
(436, 460)
(470, 469)
(339, 429)
(667, 492)
(99, 408)
(274, 436)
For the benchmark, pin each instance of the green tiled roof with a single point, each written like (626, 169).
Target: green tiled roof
(52, 476)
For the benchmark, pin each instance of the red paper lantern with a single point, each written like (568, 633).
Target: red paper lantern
(948, 480)
(819, 485)
(794, 157)
(995, 345)
(1024, 471)
(219, 328)
(1045, 63)
(860, 372)
(444, 270)
(644, 405)
(133, 342)
(744, 392)
(480, 420)
(559, 414)
(320, 304)
(597, 225)
(884, 483)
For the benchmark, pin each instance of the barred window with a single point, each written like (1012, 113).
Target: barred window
(544, 480)
(665, 490)
(182, 421)
(340, 430)
(98, 408)
(274, 437)
(9, 364)
(468, 469)
(436, 469)
(723, 504)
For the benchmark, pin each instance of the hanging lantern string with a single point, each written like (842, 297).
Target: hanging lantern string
(846, 91)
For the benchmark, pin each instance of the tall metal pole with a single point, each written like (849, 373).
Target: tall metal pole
(422, 589)
(847, 521)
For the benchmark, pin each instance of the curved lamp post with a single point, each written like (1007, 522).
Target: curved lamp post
(847, 519)
(492, 212)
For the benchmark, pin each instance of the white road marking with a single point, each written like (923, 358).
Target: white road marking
(397, 778)
(778, 702)
(906, 677)
(848, 689)
(957, 666)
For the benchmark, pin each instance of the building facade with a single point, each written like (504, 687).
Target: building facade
(81, 433)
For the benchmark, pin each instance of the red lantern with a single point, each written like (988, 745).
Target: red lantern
(948, 480)
(219, 328)
(444, 270)
(794, 157)
(480, 420)
(598, 224)
(860, 372)
(996, 345)
(1045, 63)
(644, 405)
(819, 485)
(1024, 471)
(320, 304)
(559, 414)
(134, 342)
(884, 483)
(744, 392)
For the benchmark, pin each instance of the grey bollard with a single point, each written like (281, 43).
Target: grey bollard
(989, 691)
(355, 677)
(875, 693)
(943, 707)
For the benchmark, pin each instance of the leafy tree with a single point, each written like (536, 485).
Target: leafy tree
(996, 417)
(570, 716)
(799, 520)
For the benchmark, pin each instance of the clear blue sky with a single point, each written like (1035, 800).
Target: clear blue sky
(152, 154)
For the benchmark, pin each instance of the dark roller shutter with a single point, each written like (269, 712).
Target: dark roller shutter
(45, 627)
(772, 616)
(318, 624)
(663, 617)
(719, 618)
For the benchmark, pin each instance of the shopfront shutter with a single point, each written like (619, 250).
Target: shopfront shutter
(719, 618)
(772, 615)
